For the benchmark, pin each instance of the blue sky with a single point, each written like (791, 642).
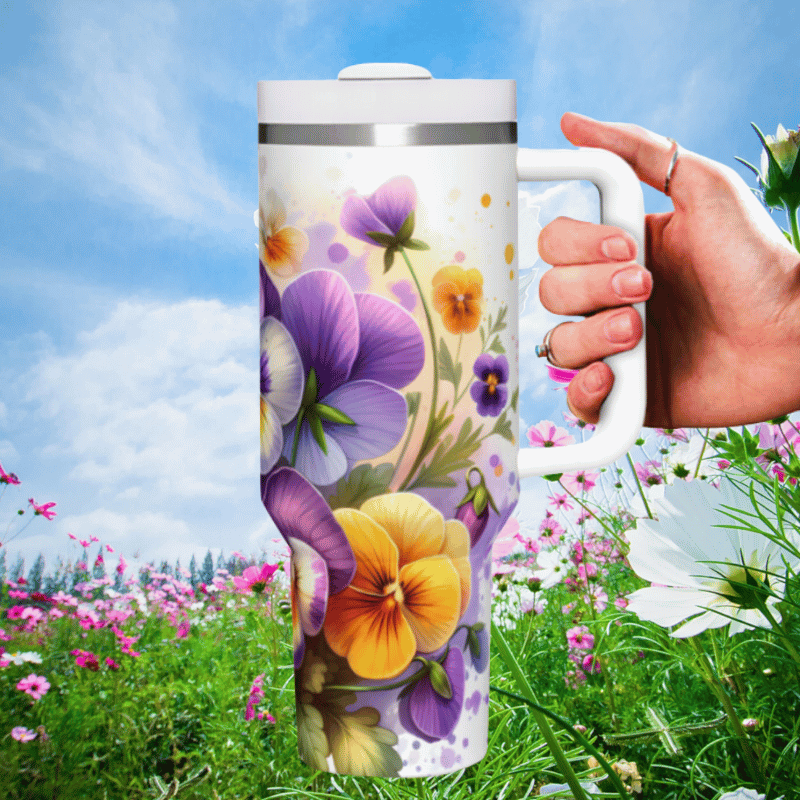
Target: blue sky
(128, 288)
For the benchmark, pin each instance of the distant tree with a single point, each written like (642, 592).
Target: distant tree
(207, 573)
(165, 568)
(3, 566)
(193, 578)
(99, 567)
(35, 574)
(221, 563)
(16, 572)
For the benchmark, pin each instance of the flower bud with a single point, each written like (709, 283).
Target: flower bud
(779, 177)
(473, 510)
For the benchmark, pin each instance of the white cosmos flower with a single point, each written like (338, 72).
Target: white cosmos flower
(552, 566)
(670, 552)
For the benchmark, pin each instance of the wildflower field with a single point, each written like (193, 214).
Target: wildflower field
(645, 639)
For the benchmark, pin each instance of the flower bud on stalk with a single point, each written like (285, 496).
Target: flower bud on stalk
(473, 510)
(779, 177)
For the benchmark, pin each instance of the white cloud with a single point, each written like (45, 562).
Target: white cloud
(157, 397)
(117, 119)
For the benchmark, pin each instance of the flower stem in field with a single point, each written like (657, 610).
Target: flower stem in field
(779, 629)
(577, 736)
(639, 485)
(498, 641)
(707, 670)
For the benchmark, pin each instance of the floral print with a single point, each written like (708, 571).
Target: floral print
(412, 581)
(369, 472)
(458, 297)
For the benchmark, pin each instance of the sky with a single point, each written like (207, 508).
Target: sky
(128, 181)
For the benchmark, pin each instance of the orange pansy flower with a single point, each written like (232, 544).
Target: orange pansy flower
(411, 586)
(281, 247)
(458, 297)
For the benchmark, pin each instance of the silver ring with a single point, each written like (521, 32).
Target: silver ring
(671, 168)
(544, 350)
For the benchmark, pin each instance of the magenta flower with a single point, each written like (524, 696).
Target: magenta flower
(85, 659)
(43, 510)
(111, 664)
(580, 638)
(546, 434)
(8, 477)
(489, 392)
(357, 350)
(22, 734)
(591, 665)
(34, 685)
(255, 579)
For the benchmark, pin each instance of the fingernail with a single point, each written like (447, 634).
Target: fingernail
(630, 282)
(594, 380)
(618, 329)
(617, 247)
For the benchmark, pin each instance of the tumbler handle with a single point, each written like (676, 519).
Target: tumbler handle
(622, 413)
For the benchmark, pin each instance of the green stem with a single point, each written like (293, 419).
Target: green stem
(752, 760)
(498, 641)
(435, 356)
(385, 688)
(411, 425)
(791, 212)
(575, 735)
(780, 630)
(639, 485)
(702, 450)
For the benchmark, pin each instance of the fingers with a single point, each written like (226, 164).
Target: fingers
(648, 153)
(587, 391)
(575, 344)
(595, 268)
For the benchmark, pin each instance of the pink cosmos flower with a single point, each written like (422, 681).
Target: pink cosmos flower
(574, 422)
(580, 638)
(255, 579)
(34, 685)
(111, 664)
(546, 434)
(22, 734)
(8, 477)
(43, 510)
(85, 659)
(560, 501)
(582, 481)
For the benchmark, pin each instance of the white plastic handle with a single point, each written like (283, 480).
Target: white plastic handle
(622, 413)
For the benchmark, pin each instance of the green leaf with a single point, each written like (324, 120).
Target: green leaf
(748, 165)
(450, 456)
(407, 228)
(363, 482)
(413, 399)
(503, 427)
(332, 414)
(448, 370)
(439, 680)
(310, 391)
(515, 398)
(416, 244)
(316, 428)
(554, 478)
(388, 259)
(496, 346)
(383, 239)
(474, 644)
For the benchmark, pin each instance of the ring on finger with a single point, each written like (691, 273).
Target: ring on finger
(545, 350)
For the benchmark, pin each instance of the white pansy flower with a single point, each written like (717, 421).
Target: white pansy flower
(693, 561)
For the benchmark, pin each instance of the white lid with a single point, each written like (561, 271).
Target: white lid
(386, 93)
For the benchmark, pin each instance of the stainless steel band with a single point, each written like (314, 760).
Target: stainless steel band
(389, 135)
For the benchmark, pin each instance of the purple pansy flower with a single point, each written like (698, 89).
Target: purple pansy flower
(490, 393)
(357, 350)
(322, 559)
(429, 714)
(281, 388)
(384, 211)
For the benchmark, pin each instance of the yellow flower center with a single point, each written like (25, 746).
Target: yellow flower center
(492, 382)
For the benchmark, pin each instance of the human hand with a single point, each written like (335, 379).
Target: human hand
(723, 314)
